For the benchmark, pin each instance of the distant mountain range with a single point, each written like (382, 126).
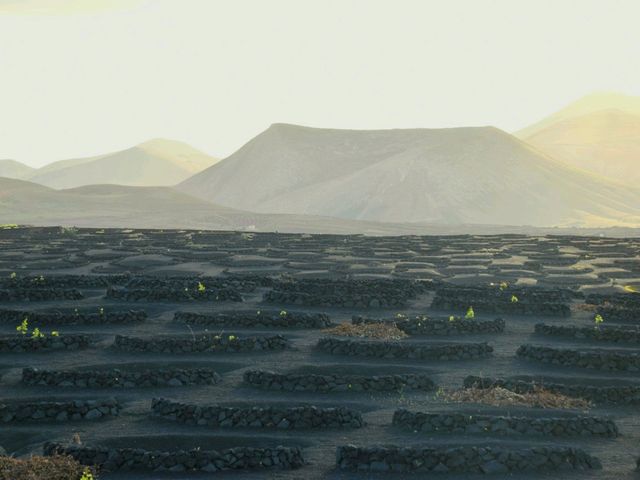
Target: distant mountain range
(444, 176)
(578, 168)
(28, 203)
(157, 162)
(103, 206)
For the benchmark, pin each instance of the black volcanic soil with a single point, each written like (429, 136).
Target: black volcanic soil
(582, 265)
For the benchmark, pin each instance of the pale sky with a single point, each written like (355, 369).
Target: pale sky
(84, 77)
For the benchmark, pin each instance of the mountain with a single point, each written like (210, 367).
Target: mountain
(588, 104)
(13, 169)
(605, 142)
(157, 162)
(478, 175)
(28, 203)
(105, 206)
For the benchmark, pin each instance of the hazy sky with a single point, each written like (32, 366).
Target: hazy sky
(81, 77)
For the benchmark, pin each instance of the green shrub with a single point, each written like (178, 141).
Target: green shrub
(23, 328)
(598, 320)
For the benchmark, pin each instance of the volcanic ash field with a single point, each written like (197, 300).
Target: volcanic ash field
(177, 354)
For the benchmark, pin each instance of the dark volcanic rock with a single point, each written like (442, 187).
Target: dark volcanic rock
(415, 351)
(381, 293)
(200, 343)
(255, 319)
(64, 281)
(600, 333)
(530, 301)
(295, 382)
(598, 359)
(59, 411)
(173, 295)
(73, 318)
(614, 394)
(494, 424)
(285, 418)
(465, 459)
(38, 294)
(117, 378)
(238, 458)
(432, 326)
(25, 343)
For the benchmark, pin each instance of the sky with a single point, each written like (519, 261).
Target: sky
(86, 77)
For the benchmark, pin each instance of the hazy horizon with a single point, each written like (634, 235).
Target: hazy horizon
(115, 73)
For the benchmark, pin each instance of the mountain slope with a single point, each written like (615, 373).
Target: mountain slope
(155, 163)
(27, 203)
(606, 142)
(290, 156)
(451, 176)
(103, 206)
(13, 169)
(585, 105)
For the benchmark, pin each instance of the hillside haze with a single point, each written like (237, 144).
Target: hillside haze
(476, 175)
(596, 102)
(13, 169)
(599, 133)
(606, 142)
(28, 203)
(157, 162)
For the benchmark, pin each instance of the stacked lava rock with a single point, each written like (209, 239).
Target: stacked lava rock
(299, 382)
(256, 319)
(515, 301)
(127, 459)
(200, 343)
(422, 325)
(379, 293)
(286, 418)
(465, 459)
(417, 351)
(607, 394)
(117, 378)
(59, 411)
(18, 344)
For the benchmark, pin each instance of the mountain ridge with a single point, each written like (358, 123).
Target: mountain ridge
(116, 206)
(467, 175)
(14, 169)
(604, 142)
(587, 104)
(156, 162)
